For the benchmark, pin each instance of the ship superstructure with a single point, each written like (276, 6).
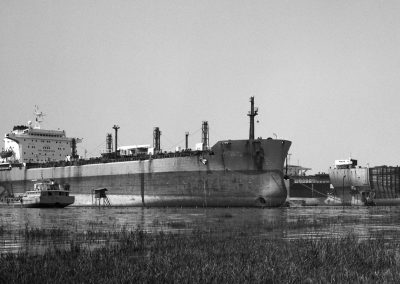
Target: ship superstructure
(32, 144)
(246, 172)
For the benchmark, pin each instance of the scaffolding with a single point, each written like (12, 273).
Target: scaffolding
(99, 194)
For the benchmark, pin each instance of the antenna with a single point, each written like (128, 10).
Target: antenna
(39, 117)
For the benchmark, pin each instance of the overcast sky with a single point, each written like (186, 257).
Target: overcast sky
(324, 74)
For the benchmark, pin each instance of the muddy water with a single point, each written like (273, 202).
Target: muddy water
(284, 223)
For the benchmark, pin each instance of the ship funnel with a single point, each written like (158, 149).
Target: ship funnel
(186, 140)
(73, 148)
(109, 143)
(252, 113)
(205, 139)
(157, 140)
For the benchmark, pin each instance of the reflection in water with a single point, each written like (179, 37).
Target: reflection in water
(284, 223)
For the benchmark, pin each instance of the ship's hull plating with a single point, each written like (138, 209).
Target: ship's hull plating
(234, 173)
(384, 182)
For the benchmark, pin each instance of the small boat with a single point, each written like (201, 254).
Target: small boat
(48, 193)
(332, 199)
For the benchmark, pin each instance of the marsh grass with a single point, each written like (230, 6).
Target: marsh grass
(208, 256)
(239, 255)
(177, 224)
(37, 233)
(225, 215)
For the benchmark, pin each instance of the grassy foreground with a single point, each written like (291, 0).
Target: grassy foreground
(209, 257)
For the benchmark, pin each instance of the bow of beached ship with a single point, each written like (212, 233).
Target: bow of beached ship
(230, 173)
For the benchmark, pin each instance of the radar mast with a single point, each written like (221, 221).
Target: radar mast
(38, 117)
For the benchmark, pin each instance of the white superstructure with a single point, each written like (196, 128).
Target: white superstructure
(31, 144)
(345, 164)
(135, 150)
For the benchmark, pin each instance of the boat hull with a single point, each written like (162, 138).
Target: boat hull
(233, 173)
(47, 201)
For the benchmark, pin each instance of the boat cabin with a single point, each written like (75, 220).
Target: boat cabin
(345, 164)
(50, 185)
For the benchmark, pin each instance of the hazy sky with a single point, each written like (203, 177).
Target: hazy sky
(325, 74)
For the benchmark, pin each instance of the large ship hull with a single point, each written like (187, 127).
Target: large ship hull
(308, 189)
(233, 173)
(383, 181)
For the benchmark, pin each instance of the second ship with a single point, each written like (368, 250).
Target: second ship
(357, 185)
(246, 172)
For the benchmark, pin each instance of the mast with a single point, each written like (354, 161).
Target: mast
(252, 113)
(116, 127)
(39, 117)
